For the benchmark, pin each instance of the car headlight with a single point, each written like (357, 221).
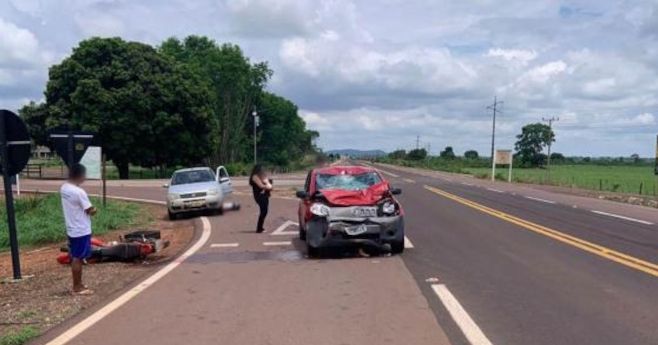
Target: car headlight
(321, 210)
(173, 196)
(388, 208)
(213, 192)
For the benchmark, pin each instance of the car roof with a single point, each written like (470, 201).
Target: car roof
(192, 169)
(347, 169)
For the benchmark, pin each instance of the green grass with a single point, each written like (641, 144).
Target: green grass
(620, 178)
(19, 337)
(40, 220)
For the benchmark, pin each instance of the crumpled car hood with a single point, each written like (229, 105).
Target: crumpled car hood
(365, 197)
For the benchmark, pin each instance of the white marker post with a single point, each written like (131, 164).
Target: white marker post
(503, 157)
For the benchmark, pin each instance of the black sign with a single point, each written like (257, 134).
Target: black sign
(71, 145)
(656, 167)
(17, 140)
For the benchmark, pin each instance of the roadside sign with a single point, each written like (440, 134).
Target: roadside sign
(71, 145)
(92, 161)
(14, 154)
(502, 157)
(18, 143)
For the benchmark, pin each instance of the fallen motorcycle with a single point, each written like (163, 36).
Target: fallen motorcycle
(136, 245)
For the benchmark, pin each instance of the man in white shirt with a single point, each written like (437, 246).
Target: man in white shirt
(77, 216)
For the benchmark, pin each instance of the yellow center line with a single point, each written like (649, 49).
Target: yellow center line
(621, 258)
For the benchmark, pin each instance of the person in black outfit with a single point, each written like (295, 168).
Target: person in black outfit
(261, 187)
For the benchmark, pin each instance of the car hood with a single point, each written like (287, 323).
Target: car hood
(365, 197)
(193, 187)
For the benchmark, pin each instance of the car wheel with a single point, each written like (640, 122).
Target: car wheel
(397, 247)
(311, 251)
(302, 232)
(172, 216)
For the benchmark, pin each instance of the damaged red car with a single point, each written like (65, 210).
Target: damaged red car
(350, 206)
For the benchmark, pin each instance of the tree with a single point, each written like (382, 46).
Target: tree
(398, 154)
(236, 86)
(417, 154)
(36, 117)
(557, 157)
(471, 154)
(532, 140)
(146, 109)
(447, 153)
(636, 158)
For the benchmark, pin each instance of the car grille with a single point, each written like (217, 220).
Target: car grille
(193, 195)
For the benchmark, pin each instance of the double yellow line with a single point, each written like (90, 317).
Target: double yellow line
(621, 258)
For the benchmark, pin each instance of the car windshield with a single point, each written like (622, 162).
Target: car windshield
(192, 176)
(346, 182)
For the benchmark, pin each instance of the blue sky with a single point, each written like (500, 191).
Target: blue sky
(375, 74)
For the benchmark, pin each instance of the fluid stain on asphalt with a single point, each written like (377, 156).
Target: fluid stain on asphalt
(240, 257)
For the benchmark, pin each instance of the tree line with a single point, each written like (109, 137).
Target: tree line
(183, 102)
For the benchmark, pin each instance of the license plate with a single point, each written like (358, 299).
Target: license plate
(197, 203)
(365, 212)
(356, 230)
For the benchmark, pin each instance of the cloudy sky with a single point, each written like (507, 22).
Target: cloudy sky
(375, 74)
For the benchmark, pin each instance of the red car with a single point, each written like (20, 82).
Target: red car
(350, 206)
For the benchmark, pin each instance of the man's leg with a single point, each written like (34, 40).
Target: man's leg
(76, 269)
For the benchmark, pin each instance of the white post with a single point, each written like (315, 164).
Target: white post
(509, 174)
(493, 167)
(18, 185)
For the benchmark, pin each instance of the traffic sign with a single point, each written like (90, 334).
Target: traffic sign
(71, 145)
(18, 142)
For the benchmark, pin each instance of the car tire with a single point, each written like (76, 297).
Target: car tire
(172, 216)
(302, 232)
(397, 247)
(312, 252)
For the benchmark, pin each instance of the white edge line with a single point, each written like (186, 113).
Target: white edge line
(540, 200)
(466, 184)
(623, 217)
(495, 190)
(224, 245)
(470, 329)
(130, 294)
(279, 243)
(407, 243)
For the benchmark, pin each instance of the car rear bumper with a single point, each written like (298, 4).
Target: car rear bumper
(323, 233)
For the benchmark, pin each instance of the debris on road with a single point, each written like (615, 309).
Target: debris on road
(136, 245)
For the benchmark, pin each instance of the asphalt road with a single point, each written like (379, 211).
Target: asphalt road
(523, 286)
(490, 264)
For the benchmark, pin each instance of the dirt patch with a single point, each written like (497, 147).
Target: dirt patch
(45, 299)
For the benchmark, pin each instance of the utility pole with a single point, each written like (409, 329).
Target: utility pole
(417, 142)
(550, 142)
(255, 115)
(495, 109)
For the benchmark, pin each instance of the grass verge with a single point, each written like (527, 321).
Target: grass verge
(39, 219)
(19, 337)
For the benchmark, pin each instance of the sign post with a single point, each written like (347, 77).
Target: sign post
(71, 145)
(656, 166)
(15, 147)
(503, 157)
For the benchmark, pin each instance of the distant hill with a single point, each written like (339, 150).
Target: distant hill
(357, 153)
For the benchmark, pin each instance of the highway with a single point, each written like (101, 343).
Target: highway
(485, 264)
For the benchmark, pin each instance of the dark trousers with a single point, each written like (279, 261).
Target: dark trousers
(263, 202)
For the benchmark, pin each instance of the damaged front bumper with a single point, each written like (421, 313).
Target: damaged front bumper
(377, 232)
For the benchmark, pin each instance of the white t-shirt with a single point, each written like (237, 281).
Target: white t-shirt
(74, 203)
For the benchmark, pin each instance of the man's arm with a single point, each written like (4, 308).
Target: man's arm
(86, 204)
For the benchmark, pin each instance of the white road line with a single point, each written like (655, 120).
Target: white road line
(224, 245)
(540, 200)
(281, 230)
(466, 183)
(278, 243)
(408, 180)
(387, 173)
(407, 243)
(130, 294)
(623, 217)
(471, 330)
(495, 190)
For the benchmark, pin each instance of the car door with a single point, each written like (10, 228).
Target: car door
(224, 180)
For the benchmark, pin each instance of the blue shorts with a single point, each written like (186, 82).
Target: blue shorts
(80, 247)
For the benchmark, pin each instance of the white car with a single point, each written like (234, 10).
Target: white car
(197, 189)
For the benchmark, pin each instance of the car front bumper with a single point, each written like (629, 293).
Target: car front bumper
(209, 202)
(374, 232)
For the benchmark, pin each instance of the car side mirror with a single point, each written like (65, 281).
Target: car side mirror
(166, 185)
(301, 194)
(224, 180)
(396, 191)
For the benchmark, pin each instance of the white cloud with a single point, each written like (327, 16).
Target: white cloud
(519, 56)
(19, 47)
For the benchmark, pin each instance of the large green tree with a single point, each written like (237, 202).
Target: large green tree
(145, 108)
(236, 84)
(532, 140)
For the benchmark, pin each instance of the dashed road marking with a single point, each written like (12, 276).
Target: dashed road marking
(622, 217)
(495, 190)
(408, 180)
(281, 230)
(407, 243)
(387, 173)
(466, 184)
(224, 245)
(540, 200)
(470, 329)
(277, 243)
(92, 319)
